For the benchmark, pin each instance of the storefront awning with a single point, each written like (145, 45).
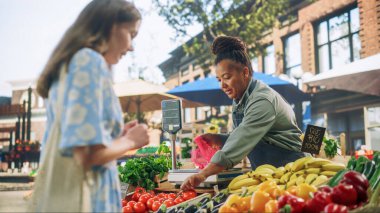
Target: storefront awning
(361, 76)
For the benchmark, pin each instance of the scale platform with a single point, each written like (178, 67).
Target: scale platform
(222, 179)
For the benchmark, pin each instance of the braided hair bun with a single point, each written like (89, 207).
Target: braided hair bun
(224, 44)
(232, 48)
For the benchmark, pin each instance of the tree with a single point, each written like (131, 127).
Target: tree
(247, 19)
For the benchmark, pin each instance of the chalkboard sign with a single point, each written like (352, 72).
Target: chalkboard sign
(312, 140)
(171, 115)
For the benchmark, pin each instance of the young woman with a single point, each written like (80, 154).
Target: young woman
(84, 115)
(265, 127)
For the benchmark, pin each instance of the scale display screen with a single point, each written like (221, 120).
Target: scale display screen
(171, 116)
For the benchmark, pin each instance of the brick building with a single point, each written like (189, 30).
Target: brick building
(321, 36)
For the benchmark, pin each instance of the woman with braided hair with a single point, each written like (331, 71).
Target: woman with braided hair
(264, 124)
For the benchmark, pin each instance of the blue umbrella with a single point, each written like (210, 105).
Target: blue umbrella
(208, 90)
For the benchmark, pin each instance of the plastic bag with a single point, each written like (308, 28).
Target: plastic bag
(202, 155)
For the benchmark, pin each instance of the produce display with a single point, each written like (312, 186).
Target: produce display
(305, 185)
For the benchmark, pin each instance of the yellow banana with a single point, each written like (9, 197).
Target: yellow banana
(266, 166)
(285, 177)
(280, 171)
(300, 163)
(237, 191)
(321, 179)
(310, 178)
(335, 167)
(294, 176)
(328, 173)
(236, 179)
(264, 170)
(291, 183)
(300, 180)
(313, 170)
(316, 163)
(288, 166)
(245, 182)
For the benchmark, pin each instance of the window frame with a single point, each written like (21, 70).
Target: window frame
(329, 42)
(284, 38)
(265, 55)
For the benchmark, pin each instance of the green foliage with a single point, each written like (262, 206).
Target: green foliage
(142, 171)
(219, 122)
(247, 19)
(147, 150)
(185, 151)
(331, 147)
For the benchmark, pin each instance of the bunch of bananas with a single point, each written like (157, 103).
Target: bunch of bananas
(309, 170)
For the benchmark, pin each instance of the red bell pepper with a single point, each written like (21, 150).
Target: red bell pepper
(359, 182)
(318, 202)
(335, 208)
(344, 194)
(295, 204)
(326, 189)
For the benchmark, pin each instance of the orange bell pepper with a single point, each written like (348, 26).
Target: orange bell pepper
(271, 206)
(258, 201)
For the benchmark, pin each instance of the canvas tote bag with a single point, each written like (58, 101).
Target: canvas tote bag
(61, 184)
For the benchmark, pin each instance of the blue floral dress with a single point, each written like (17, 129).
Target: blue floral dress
(91, 115)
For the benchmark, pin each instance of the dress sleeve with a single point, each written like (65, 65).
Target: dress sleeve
(258, 120)
(83, 111)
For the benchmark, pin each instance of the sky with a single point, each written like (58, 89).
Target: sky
(30, 29)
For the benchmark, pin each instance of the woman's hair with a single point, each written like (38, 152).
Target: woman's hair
(227, 47)
(91, 29)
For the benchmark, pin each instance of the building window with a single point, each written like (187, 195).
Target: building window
(184, 71)
(292, 53)
(199, 113)
(185, 82)
(187, 115)
(269, 61)
(197, 77)
(337, 40)
(255, 64)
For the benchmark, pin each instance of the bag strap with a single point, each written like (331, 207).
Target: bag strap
(60, 93)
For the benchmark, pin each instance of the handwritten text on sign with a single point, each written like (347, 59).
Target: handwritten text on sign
(313, 139)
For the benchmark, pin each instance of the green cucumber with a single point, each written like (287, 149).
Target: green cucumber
(369, 169)
(360, 164)
(334, 181)
(351, 163)
(375, 179)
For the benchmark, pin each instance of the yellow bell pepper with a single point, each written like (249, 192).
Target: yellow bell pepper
(271, 206)
(258, 201)
(304, 189)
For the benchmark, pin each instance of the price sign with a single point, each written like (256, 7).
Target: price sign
(313, 139)
(171, 116)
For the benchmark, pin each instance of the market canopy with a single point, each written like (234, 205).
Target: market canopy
(361, 76)
(140, 96)
(208, 90)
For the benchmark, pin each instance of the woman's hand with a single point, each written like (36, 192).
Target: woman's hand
(128, 126)
(138, 136)
(192, 181)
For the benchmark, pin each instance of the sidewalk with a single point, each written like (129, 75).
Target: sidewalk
(13, 201)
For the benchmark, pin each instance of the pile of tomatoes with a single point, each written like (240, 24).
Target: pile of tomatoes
(144, 201)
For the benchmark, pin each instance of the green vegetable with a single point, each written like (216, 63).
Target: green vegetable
(331, 147)
(360, 164)
(334, 181)
(351, 163)
(376, 158)
(142, 171)
(369, 169)
(147, 150)
(374, 181)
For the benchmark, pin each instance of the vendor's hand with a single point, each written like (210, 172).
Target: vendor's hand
(128, 126)
(192, 181)
(213, 139)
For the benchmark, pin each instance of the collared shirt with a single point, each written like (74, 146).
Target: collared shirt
(266, 117)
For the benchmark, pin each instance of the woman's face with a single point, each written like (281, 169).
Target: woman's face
(233, 77)
(120, 41)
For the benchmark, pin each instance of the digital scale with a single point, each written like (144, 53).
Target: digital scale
(172, 123)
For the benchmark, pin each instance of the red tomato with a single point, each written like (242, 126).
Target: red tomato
(187, 195)
(139, 207)
(136, 196)
(178, 200)
(144, 198)
(151, 192)
(150, 202)
(156, 205)
(131, 203)
(172, 195)
(123, 202)
(127, 209)
(169, 203)
(161, 195)
(140, 190)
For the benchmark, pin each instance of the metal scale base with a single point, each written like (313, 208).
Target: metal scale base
(222, 179)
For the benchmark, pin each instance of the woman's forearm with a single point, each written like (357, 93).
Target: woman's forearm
(211, 169)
